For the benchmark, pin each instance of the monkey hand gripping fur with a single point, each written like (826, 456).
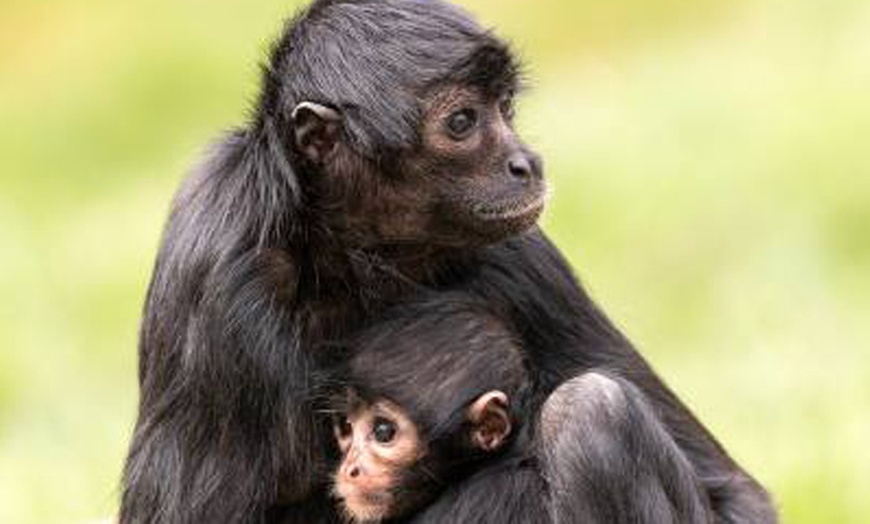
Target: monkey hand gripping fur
(381, 160)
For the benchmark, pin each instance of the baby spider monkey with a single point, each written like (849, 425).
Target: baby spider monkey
(433, 398)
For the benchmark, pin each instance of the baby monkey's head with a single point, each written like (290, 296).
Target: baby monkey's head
(431, 392)
(390, 466)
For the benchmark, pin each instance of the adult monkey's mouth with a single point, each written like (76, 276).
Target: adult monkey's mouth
(524, 209)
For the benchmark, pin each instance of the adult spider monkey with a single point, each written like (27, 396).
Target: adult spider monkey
(380, 159)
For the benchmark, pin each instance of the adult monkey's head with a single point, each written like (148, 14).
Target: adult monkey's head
(397, 117)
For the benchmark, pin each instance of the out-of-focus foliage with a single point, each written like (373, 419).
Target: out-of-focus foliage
(711, 183)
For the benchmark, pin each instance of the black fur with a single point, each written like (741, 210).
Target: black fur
(434, 357)
(373, 58)
(566, 336)
(598, 454)
(250, 280)
(608, 459)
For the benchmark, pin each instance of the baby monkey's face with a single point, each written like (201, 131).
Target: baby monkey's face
(387, 466)
(378, 442)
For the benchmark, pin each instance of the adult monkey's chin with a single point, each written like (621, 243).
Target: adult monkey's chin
(492, 222)
(519, 211)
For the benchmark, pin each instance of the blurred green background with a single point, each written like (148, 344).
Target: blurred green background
(711, 172)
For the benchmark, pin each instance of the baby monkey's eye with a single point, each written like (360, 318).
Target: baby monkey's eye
(384, 430)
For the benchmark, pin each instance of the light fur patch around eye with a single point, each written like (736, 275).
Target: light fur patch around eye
(408, 446)
(438, 109)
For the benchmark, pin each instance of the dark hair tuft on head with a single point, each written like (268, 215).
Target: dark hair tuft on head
(372, 59)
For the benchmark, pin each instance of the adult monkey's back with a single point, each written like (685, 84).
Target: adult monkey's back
(381, 158)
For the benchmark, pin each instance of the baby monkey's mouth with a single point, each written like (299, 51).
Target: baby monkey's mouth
(366, 509)
(362, 506)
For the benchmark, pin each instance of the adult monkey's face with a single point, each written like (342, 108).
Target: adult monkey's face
(405, 126)
(486, 183)
(469, 180)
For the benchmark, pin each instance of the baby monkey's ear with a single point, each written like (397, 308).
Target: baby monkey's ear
(490, 421)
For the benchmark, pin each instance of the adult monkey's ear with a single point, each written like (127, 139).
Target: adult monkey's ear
(490, 421)
(316, 129)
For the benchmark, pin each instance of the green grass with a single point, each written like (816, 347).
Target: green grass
(711, 185)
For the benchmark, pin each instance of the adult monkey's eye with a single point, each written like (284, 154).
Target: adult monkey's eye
(461, 123)
(384, 430)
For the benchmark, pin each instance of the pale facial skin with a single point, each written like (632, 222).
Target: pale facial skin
(378, 441)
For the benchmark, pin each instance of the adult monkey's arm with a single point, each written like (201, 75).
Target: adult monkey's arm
(566, 335)
(224, 409)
